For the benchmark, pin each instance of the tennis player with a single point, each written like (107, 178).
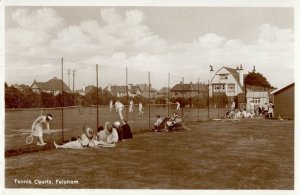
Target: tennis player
(140, 108)
(37, 128)
(131, 106)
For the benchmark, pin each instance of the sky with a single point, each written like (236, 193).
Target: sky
(182, 41)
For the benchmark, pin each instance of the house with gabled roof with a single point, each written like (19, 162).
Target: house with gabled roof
(227, 80)
(231, 82)
(163, 92)
(121, 91)
(145, 91)
(86, 89)
(52, 86)
(188, 90)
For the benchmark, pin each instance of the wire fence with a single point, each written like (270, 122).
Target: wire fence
(76, 94)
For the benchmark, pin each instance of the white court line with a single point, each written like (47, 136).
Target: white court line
(28, 131)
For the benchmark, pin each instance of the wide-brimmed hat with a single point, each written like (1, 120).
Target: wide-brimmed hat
(49, 117)
(88, 132)
(117, 124)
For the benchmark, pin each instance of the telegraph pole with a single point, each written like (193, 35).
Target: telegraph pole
(168, 94)
(62, 102)
(149, 98)
(97, 95)
(73, 80)
(127, 92)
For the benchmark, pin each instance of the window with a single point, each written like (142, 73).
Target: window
(223, 76)
(231, 87)
(218, 87)
(256, 100)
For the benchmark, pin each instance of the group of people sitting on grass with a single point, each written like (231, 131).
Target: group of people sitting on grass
(105, 137)
(168, 123)
(266, 110)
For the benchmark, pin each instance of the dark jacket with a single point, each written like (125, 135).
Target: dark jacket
(127, 131)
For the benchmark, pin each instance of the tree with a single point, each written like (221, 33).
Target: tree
(256, 79)
(12, 97)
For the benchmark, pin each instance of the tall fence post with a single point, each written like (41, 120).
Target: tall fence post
(208, 99)
(62, 100)
(182, 96)
(149, 98)
(198, 99)
(219, 98)
(127, 98)
(97, 96)
(73, 86)
(168, 94)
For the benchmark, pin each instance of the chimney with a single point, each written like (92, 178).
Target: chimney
(211, 72)
(241, 75)
(253, 69)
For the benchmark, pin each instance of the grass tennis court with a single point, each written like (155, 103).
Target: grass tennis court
(18, 122)
(245, 154)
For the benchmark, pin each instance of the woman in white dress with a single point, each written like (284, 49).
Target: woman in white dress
(140, 108)
(37, 128)
(80, 143)
(108, 137)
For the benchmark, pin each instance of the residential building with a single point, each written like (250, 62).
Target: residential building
(227, 80)
(121, 91)
(163, 92)
(144, 88)
(188, 90)
(257, 95)
(54, 86)
(86, 89)
(231, 82)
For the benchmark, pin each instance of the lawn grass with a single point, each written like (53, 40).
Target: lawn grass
(18, 122)
(245, 154)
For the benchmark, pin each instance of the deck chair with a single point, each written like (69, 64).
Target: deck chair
(162, 125)
(180, 123)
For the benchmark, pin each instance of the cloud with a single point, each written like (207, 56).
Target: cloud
(134, 17)
(120, 41)
(110, 16)
(33, 32)
(210, 40)
(45, 19)
(117, 34)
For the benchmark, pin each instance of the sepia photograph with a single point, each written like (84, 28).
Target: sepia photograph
(149, 97)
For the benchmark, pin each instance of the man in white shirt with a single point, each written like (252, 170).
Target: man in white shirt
(178, 106)
(140, 108)
(119, 108)
(131, 106)
(110, 105)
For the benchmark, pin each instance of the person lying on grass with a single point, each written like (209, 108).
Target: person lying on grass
(83, 141)
(107, 137)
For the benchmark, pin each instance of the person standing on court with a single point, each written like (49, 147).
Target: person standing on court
(37, 128)
(110, 105)
(131, 106)
(119, 108)
(140, 108)
(178, 106)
